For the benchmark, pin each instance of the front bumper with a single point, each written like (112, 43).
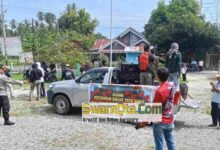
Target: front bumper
(50, 95)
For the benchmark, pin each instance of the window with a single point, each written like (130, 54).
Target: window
(115, 76)
(93, 77)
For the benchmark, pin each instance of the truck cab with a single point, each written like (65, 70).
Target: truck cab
(72, 93)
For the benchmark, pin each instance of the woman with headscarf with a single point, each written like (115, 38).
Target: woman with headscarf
(173, 63)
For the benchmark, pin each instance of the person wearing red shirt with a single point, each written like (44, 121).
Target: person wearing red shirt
(164, 95)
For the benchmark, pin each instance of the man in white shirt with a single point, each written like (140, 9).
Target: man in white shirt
(215, 112)
(42, 88)
(201, 63)
(183, 71)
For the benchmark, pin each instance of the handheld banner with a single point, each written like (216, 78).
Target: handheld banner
(116, 93)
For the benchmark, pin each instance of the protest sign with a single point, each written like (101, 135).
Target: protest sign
(117, 93)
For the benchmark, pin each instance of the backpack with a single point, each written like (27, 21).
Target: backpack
(144, 61)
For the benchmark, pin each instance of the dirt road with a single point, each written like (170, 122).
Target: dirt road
(38, 127)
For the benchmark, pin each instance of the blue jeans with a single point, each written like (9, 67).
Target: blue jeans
(161, 130)
(174, 77)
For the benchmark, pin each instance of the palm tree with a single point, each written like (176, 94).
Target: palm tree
(27, 24)
(13, 26)
(36, 23)
(50, 19)
(68, 8)
(40, 16)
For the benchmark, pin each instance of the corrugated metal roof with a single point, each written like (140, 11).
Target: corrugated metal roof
(13, 46)
(99, 43)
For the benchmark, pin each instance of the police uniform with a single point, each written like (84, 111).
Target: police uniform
(4, 102)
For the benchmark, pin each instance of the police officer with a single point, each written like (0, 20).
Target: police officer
(4, 102)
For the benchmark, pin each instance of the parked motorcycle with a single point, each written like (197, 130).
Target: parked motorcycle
(26, 74)
(50, 76)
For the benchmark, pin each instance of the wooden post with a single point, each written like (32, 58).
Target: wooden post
(219, 66)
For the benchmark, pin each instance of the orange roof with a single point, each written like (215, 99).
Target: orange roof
(99, 43)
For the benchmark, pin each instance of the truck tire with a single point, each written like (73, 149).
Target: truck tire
(62, 105)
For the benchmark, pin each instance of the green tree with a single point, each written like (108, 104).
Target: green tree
(13, 24)
(78, 20)
(100, 36)
(70, 7)
(180, 21)
(40, 16)
(69, 45)
(50, 19)
(26, 23)
(70, 50)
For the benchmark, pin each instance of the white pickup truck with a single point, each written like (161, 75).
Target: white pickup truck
(72, 93)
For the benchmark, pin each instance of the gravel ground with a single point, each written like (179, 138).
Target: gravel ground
(38, 127)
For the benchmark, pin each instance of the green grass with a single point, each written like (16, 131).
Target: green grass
(15, 61)
(17, 76)
(31, 108)
(150, 148)
(181, 81)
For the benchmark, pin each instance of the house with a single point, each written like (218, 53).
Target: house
(213, 60)
(129, 39)
(13, 46)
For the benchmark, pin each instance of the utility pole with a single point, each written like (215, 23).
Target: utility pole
(33, 44)
(217, 13)
(4, 34)
(111, 34)
(201, 5)
(58, 30)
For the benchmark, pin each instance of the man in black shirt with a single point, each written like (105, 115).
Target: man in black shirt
(35, 77)
(67, 73)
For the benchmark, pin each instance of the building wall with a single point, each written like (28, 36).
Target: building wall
(129, 39)
(115, 46)
(212, 61)
(13, 46)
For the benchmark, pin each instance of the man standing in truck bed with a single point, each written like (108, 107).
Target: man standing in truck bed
(144, 65)
(173, 63)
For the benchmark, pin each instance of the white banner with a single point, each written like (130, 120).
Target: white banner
(26, 57)
(141, 112)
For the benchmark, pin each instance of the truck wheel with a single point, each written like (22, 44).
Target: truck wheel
(61, 104)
